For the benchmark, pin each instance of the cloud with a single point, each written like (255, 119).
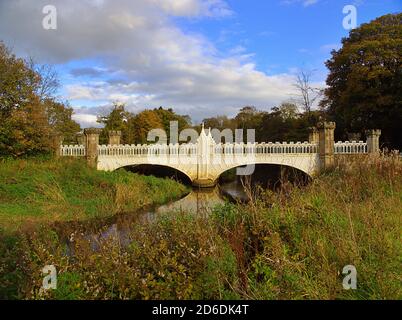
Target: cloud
(88, 71)
(305, 3)
(157, 63)
(86, 120)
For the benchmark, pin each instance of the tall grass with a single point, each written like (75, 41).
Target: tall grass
(287, 245)
(46, 190)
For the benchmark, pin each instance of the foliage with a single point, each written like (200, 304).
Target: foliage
(135, 127)
(288, 245)
(29, 115)
(40, 190)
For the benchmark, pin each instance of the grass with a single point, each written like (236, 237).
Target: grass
(40, 190)
(292, 244)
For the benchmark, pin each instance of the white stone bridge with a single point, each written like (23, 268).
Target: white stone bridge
(203, 162)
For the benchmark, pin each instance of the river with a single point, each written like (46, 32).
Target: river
(198, 202)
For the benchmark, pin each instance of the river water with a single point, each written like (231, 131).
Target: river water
(198, 202)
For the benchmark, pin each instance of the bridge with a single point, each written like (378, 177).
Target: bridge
(204, 161)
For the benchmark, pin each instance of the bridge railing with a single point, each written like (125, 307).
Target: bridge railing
(266, 148)
(72, 151)
(147, 150)
(218, 149)
(350, 147)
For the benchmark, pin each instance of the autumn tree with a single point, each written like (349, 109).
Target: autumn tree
(168, 115)
(28, 120)
(59, 117)
(365, 80)
(142, 123)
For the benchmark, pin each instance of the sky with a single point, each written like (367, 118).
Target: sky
(202, 58)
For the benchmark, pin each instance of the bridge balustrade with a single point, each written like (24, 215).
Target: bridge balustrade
(350, 147)
(220, 148)
(72, 151)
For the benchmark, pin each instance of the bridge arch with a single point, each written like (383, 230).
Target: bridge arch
(307, 165)
(107, 165)
(160, 170)
(264, 172)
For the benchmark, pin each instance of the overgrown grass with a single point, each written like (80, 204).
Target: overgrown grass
(46, 190)
(288, 245)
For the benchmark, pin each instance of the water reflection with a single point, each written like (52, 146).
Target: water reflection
(198, 202)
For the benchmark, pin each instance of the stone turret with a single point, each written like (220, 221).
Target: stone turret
(57, 141)
(81, 139)
(326, 144)
(313, 136)
(373, 140)
(114, 137)
(92, 142)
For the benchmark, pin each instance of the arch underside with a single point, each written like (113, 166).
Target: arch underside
(114, 163)
(307, 163)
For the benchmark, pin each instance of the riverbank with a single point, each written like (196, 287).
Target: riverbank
(44, 190)
(291, 244)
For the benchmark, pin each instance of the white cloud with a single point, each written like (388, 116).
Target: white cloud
(305, 3)
(160, 63)
(86, 120)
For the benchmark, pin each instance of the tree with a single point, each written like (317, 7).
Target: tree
(168, 115)
(117, 119)
(288, 110)
(17, 83)
(59, 117)
(220, 123)
(29, 114)
(142, 123)
(365, 80)
(308, 95)
(47, 82)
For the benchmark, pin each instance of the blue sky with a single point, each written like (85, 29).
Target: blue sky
(201, 57)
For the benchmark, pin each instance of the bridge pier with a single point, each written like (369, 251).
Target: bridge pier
(373, 141)
(326, 145)
(92, 142)
(57, 141)
(204, 183)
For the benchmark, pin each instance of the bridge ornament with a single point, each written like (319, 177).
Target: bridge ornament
(204, 161)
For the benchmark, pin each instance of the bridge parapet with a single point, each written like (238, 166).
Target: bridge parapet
(350, 147)
(220, 148)
(72, 151)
